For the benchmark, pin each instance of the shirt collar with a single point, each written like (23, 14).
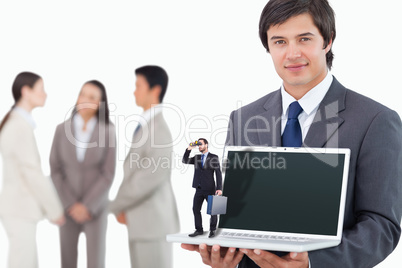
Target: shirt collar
(310, 101)
(26, 115)
(152, 112)
(78, 122)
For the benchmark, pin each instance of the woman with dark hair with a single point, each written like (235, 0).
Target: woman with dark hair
(82, 164)
(27, 196)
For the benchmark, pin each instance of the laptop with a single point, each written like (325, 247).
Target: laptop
(281, 199)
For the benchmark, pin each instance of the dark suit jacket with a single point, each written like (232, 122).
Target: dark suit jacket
(345, 119)
(204, 176)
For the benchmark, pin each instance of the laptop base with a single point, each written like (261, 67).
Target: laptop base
(252, 243)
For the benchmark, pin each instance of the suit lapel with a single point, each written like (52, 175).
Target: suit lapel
(327, 119)
(69, 126)
(95, 139)
(137, 137)
(269, 122)
(143, 133)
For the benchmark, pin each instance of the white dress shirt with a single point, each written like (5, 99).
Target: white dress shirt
(26, 115)
(309, 102)
(152, 112)
(147, 115)
(83, 136)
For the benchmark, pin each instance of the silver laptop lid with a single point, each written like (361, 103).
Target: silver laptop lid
(285, 190)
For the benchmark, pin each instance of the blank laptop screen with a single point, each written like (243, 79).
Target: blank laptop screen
(283, 192)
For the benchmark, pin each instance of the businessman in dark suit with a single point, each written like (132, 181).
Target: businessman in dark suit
(299, 35)
(206, 165)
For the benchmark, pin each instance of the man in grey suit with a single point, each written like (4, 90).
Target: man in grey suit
(145, 201)
(299, 35)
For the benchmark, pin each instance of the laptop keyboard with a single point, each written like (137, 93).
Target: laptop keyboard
(268, 237)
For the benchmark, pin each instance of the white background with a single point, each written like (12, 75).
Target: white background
(216, 63)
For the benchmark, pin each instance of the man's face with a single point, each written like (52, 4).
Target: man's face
(202, 147)
(298, 53)
(142, 92)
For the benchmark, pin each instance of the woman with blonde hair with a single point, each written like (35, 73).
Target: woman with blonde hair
(27, 195)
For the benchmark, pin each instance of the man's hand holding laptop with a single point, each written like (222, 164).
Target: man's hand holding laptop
(266, 259)
(218, 257)
(215, 256)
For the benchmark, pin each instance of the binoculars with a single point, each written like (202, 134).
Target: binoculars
(196, 143)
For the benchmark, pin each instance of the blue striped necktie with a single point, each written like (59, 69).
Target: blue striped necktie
(202, 160)
(292, 136)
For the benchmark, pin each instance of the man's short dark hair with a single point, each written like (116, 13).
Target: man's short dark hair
(204, 140)
(154, 75)
(277, 12)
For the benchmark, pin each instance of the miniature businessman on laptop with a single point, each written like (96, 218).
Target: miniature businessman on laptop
(205, 165)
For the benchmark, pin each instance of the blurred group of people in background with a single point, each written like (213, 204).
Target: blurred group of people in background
(82, 162)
